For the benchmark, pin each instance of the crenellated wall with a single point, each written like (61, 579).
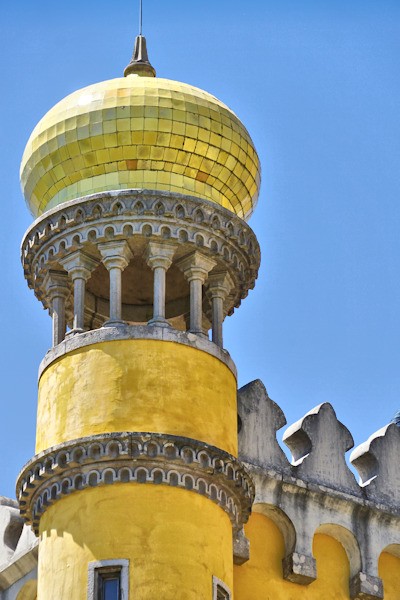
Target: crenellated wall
(316, 497)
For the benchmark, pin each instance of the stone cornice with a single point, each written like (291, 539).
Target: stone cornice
(142, 214)
(136, 332)
(135, 458)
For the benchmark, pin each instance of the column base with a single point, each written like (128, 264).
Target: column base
(114, 323)
(158, 322)
(199, 333)
(74, 332)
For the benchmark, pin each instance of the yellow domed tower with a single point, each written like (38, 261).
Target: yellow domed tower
(140, 187)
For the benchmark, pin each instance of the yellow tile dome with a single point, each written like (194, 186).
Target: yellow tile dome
(141, 132)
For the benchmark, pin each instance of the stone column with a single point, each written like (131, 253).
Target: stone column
(159, 257)
(79, 266)
(115, 257)
(196, 267)
(219, 286)
(57, 291)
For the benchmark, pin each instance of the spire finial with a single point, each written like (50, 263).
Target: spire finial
(140, 64)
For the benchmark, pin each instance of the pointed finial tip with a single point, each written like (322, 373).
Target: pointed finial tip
(140, 64)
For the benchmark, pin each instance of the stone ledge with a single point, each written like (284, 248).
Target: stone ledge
(136, 332)
(324, 495)
(135, 457)
(19, 565)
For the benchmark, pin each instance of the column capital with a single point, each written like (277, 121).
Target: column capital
(219, 285)
(115, 254)
(159, 254)
(56, 284)
(196, 266)
(79, 265)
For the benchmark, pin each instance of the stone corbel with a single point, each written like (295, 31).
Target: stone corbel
(241, 547)
(366, 587)
(299, 568)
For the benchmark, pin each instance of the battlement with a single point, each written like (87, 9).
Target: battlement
(317, 492)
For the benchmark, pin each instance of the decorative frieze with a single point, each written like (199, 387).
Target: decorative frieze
(138, 217)
(145, 458)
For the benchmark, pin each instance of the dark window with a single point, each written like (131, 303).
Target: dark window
(109, 584)
(222, 594)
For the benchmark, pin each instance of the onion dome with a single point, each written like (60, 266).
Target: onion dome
(140, 131)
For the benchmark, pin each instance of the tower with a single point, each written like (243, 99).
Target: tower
(140, 187)
(141, 483)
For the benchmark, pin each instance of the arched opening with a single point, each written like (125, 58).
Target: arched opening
(348, 541)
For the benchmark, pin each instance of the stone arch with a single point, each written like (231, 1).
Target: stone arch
(393, 549)
(348, 541)
(28, 591)
(282, 521)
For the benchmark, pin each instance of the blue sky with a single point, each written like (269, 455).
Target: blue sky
(317, 84)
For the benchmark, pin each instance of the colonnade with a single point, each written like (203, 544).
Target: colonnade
(116, 255)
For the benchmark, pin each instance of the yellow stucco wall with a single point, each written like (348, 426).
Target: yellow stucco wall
(176, 541)
(137, 385)
(389, 571)
(261, 577)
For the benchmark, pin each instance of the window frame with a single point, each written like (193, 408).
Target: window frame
(218, 585)
(118, 566)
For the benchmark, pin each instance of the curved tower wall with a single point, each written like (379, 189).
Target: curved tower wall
(144, 385)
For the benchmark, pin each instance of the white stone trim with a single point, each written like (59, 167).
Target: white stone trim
(217, 583)
(95, 568)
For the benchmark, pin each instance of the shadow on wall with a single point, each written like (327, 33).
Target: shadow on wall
(28, 592)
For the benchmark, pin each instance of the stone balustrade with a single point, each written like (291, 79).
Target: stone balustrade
(136, 257)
